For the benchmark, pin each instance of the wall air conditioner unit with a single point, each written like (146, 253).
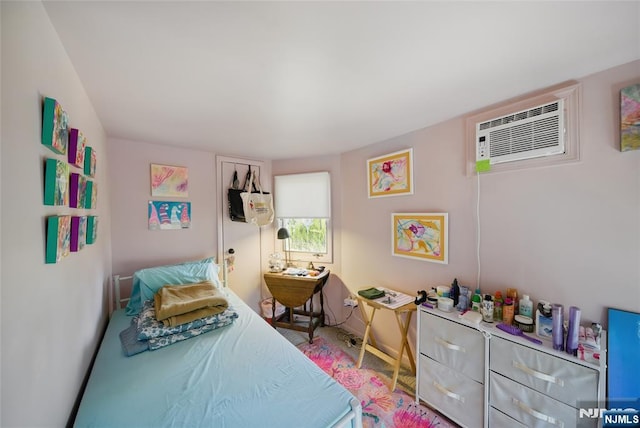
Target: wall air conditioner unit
(531, 133)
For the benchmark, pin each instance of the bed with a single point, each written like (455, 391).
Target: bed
(244, 374)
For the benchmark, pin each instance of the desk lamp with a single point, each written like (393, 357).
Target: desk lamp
(283, 233)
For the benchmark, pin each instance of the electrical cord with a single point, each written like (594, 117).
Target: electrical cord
(478, 230)
(328, 306)
(345, 320)
(337, 324)
(350, 340)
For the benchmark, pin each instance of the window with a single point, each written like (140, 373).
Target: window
(303, 207)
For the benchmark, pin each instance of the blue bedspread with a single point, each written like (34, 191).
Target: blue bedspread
(242, 375)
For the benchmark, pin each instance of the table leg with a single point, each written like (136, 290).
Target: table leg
(404, 344)
(273, 312)
(310, 319)
(321, 309)
(367, 332)
(406, 341)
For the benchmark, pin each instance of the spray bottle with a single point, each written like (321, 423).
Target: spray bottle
(544, 320)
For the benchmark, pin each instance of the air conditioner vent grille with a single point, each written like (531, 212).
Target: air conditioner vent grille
(527, 114)
(525, 137)
(535, 132)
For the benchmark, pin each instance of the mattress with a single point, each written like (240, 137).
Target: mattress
(242, 375)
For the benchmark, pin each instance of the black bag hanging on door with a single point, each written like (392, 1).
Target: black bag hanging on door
(236, 210)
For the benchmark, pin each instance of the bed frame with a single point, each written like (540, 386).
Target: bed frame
(122, 301)
(273, 384)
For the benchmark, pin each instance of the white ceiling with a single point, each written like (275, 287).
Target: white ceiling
(278, 80)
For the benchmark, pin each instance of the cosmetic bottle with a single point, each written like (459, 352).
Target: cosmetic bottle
(544, 320)
(497, 306)
(476, 301)
(508, 311)
(513, 293)
(487, 308)
(571, 346)
(526, 307)
(557, 331)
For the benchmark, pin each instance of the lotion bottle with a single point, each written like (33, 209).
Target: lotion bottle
(544, 321)
(526, 306)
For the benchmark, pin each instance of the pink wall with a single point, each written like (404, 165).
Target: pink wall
(569, 234)
(53, 315)
(134, 245)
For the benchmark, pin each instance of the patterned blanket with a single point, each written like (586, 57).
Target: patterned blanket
(146, 333)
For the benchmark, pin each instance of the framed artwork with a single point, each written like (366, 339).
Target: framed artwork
(55, 126)
(390, 175)
(171, 181)
(56, 182)
(58, 238)
(165, 215)
(92, 229)
(630, 118)
(423, 236)
(77, 190)
(90, 195)
(90, 162)
(76, 149)
(78, 232)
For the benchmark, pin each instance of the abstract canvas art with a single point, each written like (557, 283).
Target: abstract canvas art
(55, 126)
(630, 118)
(56, 182)
(422, 236)
(390, 175)
(77, 189)
(91, 195)
(171, 181)
(77, 144)
(58, 238)
(89, 162)
(164, 215)
(78, 232)
(92, 229)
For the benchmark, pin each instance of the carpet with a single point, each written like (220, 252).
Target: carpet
(381, 408)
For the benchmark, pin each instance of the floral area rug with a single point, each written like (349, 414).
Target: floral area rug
(381, 408)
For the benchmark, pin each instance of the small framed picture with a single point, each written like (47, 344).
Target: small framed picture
(391, 174)
(630, 118)
(422, 236)
(170, 181)
(166, 215)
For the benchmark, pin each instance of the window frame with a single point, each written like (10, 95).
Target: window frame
(304, 256)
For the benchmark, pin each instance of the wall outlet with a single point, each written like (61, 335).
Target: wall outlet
(351, 301)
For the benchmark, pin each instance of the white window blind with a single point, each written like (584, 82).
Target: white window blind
(305, 195)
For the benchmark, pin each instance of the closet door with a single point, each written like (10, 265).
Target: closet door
(245, 278)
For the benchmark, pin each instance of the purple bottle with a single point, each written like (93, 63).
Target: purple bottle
(557, 329)
(573, 330)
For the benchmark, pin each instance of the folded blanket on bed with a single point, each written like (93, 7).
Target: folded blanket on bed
(177, 320)
(149, 327)
(174, 300)
(129, 339)
(132, 345)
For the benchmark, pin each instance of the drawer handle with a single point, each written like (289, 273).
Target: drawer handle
(449, 345)
(539, 375)
(536, 414)
(448, 393)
